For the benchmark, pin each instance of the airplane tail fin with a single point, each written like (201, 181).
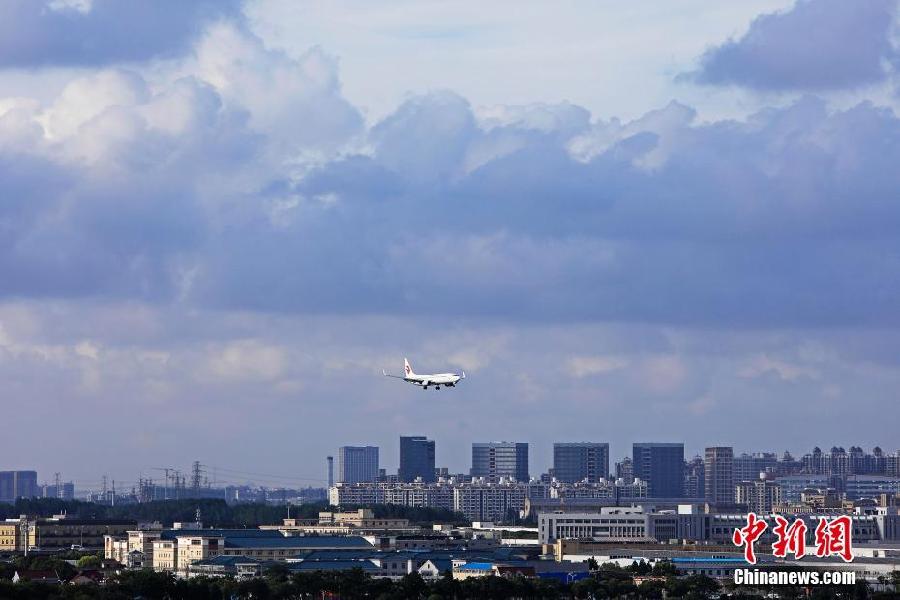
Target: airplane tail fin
(407, 369)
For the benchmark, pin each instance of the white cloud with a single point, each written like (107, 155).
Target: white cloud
(246, 360)
(585, 366)
(764, 364)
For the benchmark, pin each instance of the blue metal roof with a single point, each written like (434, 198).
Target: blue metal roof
(699, 559)
(228, 560)
(478, 566)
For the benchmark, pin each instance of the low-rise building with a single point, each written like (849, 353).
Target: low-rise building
(635, 525)
(59, 532)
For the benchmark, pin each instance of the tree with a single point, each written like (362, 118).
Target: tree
(412, 586)
(640, 568)
(664, 568)
(90, 561)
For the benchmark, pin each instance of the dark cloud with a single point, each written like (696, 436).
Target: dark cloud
(35, 33)
(816, 45)
(789, 218)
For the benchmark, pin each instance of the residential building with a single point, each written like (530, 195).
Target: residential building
(357, 464)
(489, 501)
(493, 460)
(758, 496)
(661, 465)
(580, 461)
(416, 459)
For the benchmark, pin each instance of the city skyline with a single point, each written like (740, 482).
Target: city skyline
(221, 475)
(221, 220)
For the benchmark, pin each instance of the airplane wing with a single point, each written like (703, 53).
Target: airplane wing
(386, 374)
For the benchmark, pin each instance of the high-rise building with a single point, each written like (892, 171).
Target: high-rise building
(661, 465)
(357, 464)
(719, 474)
(500, 459)
(416, 458)
(18, 484)
(577, 461)
(695, 478)
(747, 467)
(329, 463)
(625, 470)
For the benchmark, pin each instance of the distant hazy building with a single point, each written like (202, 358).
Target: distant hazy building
(357, 464)
(719, 474)
(500, 459)
(416, 458)
(695, 478)
(577, 461)
(661, 465)
(18, 484)
(747, 467)
(62, 491)
(625, 470)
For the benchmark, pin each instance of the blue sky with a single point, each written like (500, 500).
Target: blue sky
(221, 220)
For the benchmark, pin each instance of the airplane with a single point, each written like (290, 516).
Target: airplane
(436, 379)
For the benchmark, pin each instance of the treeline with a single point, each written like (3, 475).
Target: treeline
(213, 512)
(278, 584)
(606, 581)
(347, 585)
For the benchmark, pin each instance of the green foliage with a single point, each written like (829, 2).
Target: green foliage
(664, 568)
(34, 562)
(640, 568)
(278, 584)
(89, 561)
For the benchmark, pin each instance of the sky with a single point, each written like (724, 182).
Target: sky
(674, 220)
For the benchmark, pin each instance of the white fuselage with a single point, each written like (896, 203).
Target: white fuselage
(434, 379)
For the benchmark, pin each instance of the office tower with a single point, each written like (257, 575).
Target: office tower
(416, 458)
(357, 464)
(18, 484)
(661, 465)
(500, 459)
(577, 461)
(329, 460)
(719, 474)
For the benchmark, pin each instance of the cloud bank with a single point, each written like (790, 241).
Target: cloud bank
(37, 33)
(817, 45)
